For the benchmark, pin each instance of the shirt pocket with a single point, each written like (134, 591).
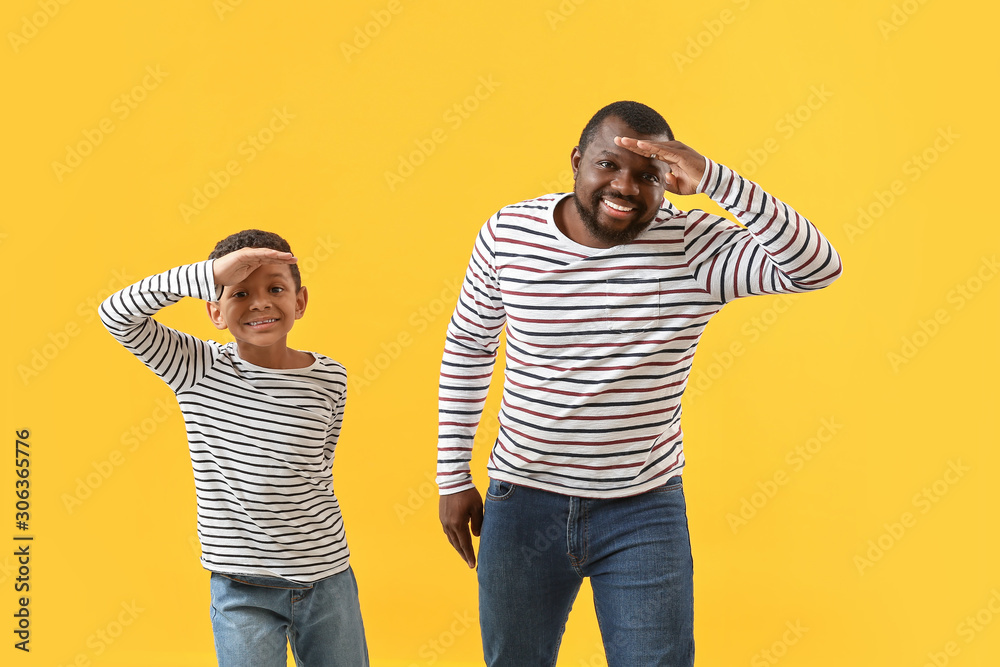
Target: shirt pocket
(632, 304)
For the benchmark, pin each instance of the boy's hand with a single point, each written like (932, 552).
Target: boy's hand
(457, 511)
(236, 266)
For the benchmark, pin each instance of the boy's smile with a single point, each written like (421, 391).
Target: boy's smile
(259, 312)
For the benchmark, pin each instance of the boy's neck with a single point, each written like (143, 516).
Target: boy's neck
(278, 355)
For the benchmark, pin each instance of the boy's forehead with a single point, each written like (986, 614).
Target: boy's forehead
(270, 271)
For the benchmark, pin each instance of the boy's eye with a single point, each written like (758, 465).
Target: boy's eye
(239, 294)
(277, 289)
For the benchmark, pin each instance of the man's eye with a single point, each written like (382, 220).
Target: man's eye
(605, 164)
(652, 178)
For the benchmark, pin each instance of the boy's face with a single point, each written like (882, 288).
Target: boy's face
(260, 310)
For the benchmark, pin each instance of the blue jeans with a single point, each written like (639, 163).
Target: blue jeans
(535, 549)
(252, 617)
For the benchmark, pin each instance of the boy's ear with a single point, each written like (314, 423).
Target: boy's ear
(301, 299)
(215, 314)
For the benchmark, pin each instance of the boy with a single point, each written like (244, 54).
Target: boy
(262, 422)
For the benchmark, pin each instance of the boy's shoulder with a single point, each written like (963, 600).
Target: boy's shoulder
(328, 364)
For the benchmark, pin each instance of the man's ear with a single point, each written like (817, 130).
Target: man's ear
(575, 157)
(215, 314)
(301, 299)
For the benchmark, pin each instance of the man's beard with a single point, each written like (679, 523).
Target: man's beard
(612, 236)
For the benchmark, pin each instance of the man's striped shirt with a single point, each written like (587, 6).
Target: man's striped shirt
(261, 439)
(600, 341)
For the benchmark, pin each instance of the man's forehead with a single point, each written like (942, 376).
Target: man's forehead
(611, 127)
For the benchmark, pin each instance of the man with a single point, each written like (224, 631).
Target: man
(604, 294)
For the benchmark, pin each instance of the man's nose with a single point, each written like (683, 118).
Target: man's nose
(625, 182)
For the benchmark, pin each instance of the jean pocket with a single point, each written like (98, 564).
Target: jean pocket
(264, 582)
(632, 304)
(498, 490)
(672, 484)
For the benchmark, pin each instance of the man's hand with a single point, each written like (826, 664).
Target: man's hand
(457, 511)
(686, 165)
(236, 266)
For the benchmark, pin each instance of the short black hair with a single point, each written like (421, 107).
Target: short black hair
(639, 117)
(255, 238)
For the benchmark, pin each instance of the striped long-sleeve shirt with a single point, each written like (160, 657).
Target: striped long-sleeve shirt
(599, 342)
(261, 439)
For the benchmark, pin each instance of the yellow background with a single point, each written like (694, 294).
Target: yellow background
(885, 81)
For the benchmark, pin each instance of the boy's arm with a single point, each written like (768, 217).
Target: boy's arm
(178, 358)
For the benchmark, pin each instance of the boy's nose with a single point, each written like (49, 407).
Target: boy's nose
(259, 302)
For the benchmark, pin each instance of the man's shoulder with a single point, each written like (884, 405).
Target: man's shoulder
(536, 211)
(540, 205)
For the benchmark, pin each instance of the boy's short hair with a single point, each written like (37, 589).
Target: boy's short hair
(256, 238)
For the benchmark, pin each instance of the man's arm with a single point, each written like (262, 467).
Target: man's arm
(466, 368)
(779, 251)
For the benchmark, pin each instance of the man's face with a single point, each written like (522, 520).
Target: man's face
(617, 192)
(260, 310)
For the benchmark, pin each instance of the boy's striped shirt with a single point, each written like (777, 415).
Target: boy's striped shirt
(261, 439)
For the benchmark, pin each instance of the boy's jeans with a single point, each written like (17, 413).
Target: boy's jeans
(535, 549)
(252, 616)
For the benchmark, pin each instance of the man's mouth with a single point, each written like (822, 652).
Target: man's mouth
(619, 210)
(262, 322)
(617, 207)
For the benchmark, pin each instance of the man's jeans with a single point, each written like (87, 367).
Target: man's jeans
(535, 549)
(252, 616)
